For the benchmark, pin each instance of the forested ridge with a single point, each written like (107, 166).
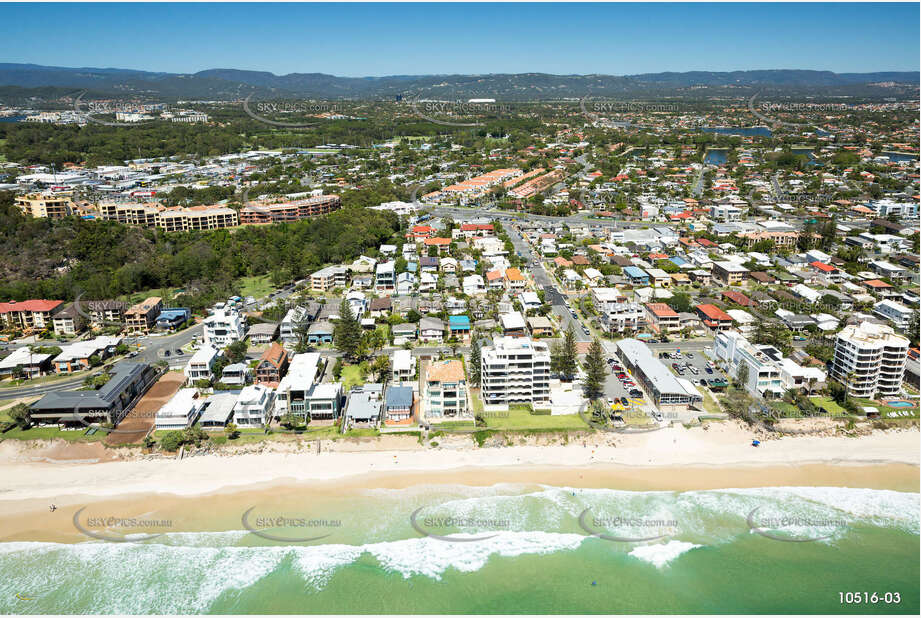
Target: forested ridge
(45, 258)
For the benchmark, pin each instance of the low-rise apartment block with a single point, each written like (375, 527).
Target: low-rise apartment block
(329, 278)
(445, 394)
(27, 315)
(289, 212)
(48, 204)
(142, 317)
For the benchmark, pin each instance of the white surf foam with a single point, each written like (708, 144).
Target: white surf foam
(661, 554)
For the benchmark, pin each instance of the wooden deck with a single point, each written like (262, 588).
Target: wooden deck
(141, 419)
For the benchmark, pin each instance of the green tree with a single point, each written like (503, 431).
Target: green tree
(20, 415)
(232, 431)
(235, 352)
(347, 333)
(680, 302)
(594, 370)
(301, 331)
(563, 355)
(172, 440)
(381, 367)
(475, 373)
(741, 377)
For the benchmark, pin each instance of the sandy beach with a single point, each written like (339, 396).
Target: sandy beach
(30, 473)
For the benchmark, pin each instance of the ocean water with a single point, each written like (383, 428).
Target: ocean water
(500, 549)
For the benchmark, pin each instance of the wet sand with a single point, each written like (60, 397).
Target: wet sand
(32, 519)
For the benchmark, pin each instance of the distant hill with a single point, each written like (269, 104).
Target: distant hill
(231, 84)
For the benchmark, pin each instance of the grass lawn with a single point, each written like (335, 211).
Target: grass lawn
(709, 404)
(476, 401)
(49, 433)
(257, 287)
(521, 418)
(352, 375)
(164, 293)
(787, 409)
(829, 405)
(885, 410)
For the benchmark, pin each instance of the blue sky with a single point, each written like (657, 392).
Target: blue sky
(412, 39)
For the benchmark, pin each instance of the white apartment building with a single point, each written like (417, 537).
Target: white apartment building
(515, 370)
(897, 313)
(887, 207)
(199, 366)
(763, 361)
(384, 276)
(870, 360)
(403, 365)
(224, 326)
(329, 278)
(254, 406)
(445, 394)
(618, 315)
(725, 212)
(794, 375)
(288, 329)
(180, 411)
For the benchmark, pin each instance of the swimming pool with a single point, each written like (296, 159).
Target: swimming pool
(900, 404)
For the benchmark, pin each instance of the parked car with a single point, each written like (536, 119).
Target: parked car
(636, 393)
(708, 370)
(624, 401)
(690, 355)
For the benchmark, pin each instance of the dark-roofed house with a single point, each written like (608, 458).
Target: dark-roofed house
(263, 333)
(380, 307)
(110, 403)
(364, 406)
(406, 330)
(761, 277)
(320, 332)
(67, 321)
(272, 366)
(398, 405)
(739, 298)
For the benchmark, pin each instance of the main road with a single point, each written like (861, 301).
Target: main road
(552, 295)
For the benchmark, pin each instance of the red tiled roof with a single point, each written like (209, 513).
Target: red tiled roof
(714, 313)
(29, 305)
(825, 268)
(661, 310)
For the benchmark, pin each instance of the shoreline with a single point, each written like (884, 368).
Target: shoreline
(29, 519)
(34, 474)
